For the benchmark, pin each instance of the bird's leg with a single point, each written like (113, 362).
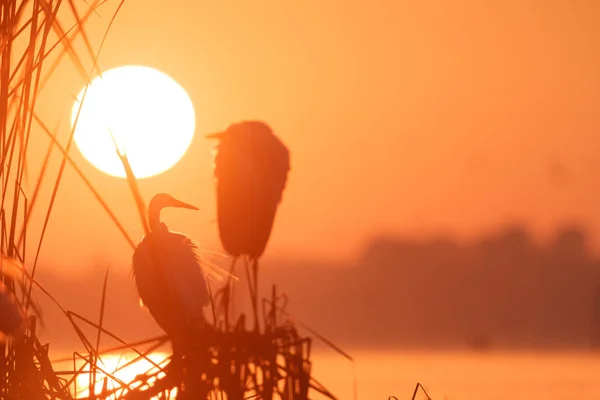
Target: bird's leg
(228, 294)
(253, 292)
(176, 364)
(212, 304)
(255, 273)
(250, 288)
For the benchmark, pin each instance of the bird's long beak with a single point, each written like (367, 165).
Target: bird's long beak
(181, 204)
(215, 135)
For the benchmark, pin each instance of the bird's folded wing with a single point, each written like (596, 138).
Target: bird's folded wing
(186, 277)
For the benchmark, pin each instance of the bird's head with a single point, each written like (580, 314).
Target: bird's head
(160, 201)
(254, 139)
(242, 129)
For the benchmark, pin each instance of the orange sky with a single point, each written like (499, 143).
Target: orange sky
(408, 117)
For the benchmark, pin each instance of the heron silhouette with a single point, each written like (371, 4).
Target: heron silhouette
(251, 167)
(169, 277)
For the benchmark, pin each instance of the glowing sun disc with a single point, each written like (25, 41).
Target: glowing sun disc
(149, 115)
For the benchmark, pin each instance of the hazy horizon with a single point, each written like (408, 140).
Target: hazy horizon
(502, 292)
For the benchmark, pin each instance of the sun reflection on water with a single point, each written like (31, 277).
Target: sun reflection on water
(114, 371)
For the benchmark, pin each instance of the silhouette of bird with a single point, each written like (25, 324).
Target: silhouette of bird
(169, 277)
(251, 166)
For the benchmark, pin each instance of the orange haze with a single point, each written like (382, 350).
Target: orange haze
(402, 116)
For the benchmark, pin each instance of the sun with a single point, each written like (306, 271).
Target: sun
(145, 113)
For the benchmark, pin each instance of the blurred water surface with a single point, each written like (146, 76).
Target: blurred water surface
(445, 375)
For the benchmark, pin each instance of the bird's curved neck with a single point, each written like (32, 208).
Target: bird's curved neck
(154, 219)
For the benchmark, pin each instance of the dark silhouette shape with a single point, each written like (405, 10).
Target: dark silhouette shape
(169, 277)
(570, 243)
(12, 316)
(440, 293)
(251, 167)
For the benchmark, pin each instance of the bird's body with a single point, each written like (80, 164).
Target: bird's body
(169, 277)
(251, 168)
(181, 277)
